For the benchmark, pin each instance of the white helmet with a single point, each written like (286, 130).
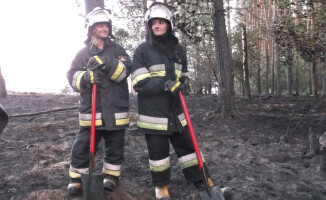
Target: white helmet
(98, 15)
(159, 10)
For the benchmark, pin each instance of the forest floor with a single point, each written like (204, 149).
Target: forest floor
(247, 152)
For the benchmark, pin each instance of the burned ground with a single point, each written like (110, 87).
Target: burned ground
(247, 152)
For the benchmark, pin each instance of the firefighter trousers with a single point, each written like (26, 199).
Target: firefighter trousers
(159, 157)
(113, 149)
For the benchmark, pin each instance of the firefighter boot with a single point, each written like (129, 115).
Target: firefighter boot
(110, 182)
(162, 193)
(74, 186)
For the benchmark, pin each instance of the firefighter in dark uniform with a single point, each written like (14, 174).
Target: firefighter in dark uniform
(106, 64)
(159, 72)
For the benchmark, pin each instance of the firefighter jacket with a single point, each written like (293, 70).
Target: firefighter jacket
(159, 111)
(112, 101)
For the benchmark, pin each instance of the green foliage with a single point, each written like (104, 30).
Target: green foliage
(132, 33)
(194, 26)
(193, 19)
(308, 42)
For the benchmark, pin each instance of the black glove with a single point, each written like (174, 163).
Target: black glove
(93, 77)
(96, 62)
(172, 86)
(185, 85)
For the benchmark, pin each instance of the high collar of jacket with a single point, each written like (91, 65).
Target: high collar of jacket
(166, 43)
(95, 50)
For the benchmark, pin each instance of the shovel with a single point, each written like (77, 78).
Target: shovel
(211, 192)
(93, 183)
(3, 119)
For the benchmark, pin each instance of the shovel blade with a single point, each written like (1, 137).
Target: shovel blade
(93, 187)
(215, 194)
(3, 119)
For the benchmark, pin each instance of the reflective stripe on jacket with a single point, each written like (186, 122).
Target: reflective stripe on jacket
(160, 112)
(112, 102)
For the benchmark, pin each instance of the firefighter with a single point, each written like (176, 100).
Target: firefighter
(159, 72)
(106, 64)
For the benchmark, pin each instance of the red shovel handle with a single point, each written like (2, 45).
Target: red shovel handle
(191, 130)
(92, 139)
(194, 142)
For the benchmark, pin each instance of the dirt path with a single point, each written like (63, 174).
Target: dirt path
(245, 152)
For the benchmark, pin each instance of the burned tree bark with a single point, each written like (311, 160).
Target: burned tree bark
(226, 85)
(91, 4)
(245, 52)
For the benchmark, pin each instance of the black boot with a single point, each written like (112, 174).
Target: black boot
(75, 186)
(110, 182)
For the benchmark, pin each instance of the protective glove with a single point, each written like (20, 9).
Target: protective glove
(96, 62)
(93, 77)
(185, 85)
(172, 86)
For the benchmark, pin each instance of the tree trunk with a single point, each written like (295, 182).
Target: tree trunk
(288, 71)
(267, 69)
(245, 69)
(313, 58)
(144, 7)
(229, 17)
(314, 77)
(309, 79)
(324, 76)
(3, 90)
(278, 70)
(91, 4)
(273, 70)
(296, 81)
(226, 88)
(258, 70)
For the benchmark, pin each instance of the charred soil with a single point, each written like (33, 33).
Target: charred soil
(247, 152)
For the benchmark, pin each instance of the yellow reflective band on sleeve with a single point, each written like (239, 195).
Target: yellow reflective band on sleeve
(177, 73)
(117, 72)
(178, 66)
(140, 77)
(157, 70)
(77, 81)
(175, 86)
(177, 70)
(147, 125)
(74, 175)
(91, 76)
(98, 59)
(111, 172)
(98, 122)
(122, 121)
(158, 74)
